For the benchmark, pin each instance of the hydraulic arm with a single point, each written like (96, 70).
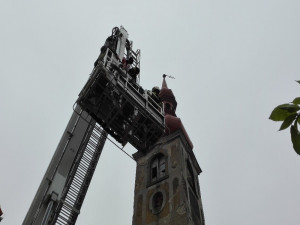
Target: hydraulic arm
(112, 102)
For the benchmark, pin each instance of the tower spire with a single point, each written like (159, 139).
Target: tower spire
(173, 123)
(167, 97)
(164, 84)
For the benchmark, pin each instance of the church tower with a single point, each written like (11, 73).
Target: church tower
(167, 189)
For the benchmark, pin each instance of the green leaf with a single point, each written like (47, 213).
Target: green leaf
(289, 107)
(298, 120)
(296, 101)
(288, 121)
(298, 81)
(295, 136)
(281, 112)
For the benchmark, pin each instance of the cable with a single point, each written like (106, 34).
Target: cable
(122, 150)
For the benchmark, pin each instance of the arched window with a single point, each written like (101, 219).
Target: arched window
(157, 168)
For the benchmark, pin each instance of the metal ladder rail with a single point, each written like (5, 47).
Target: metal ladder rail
(66, 205)
(77, 187)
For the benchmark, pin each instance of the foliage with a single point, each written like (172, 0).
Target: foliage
(289, 113)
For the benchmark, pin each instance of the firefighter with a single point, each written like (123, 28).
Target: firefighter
(155, 95)
(109, 43)
(133, 72)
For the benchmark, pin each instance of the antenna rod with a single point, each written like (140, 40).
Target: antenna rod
(164, 76)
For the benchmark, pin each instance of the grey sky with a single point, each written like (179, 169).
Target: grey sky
(233, 60)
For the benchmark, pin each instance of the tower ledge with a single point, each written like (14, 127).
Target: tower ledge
(166, 139)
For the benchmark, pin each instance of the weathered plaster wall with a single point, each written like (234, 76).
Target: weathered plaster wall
(176, 207)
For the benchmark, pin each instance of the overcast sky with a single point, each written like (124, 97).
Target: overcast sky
(233, 60)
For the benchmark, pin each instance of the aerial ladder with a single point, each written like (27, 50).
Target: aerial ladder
(111, 103)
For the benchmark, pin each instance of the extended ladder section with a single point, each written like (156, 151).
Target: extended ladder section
(63, 188)
(80, 178)
(122, 107)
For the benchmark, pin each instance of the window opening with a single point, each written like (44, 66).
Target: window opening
(157, 201)
(154, 170)
(158, 168)
(162, 168)
(168, 106)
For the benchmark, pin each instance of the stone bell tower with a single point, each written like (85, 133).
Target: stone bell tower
(167, 188)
